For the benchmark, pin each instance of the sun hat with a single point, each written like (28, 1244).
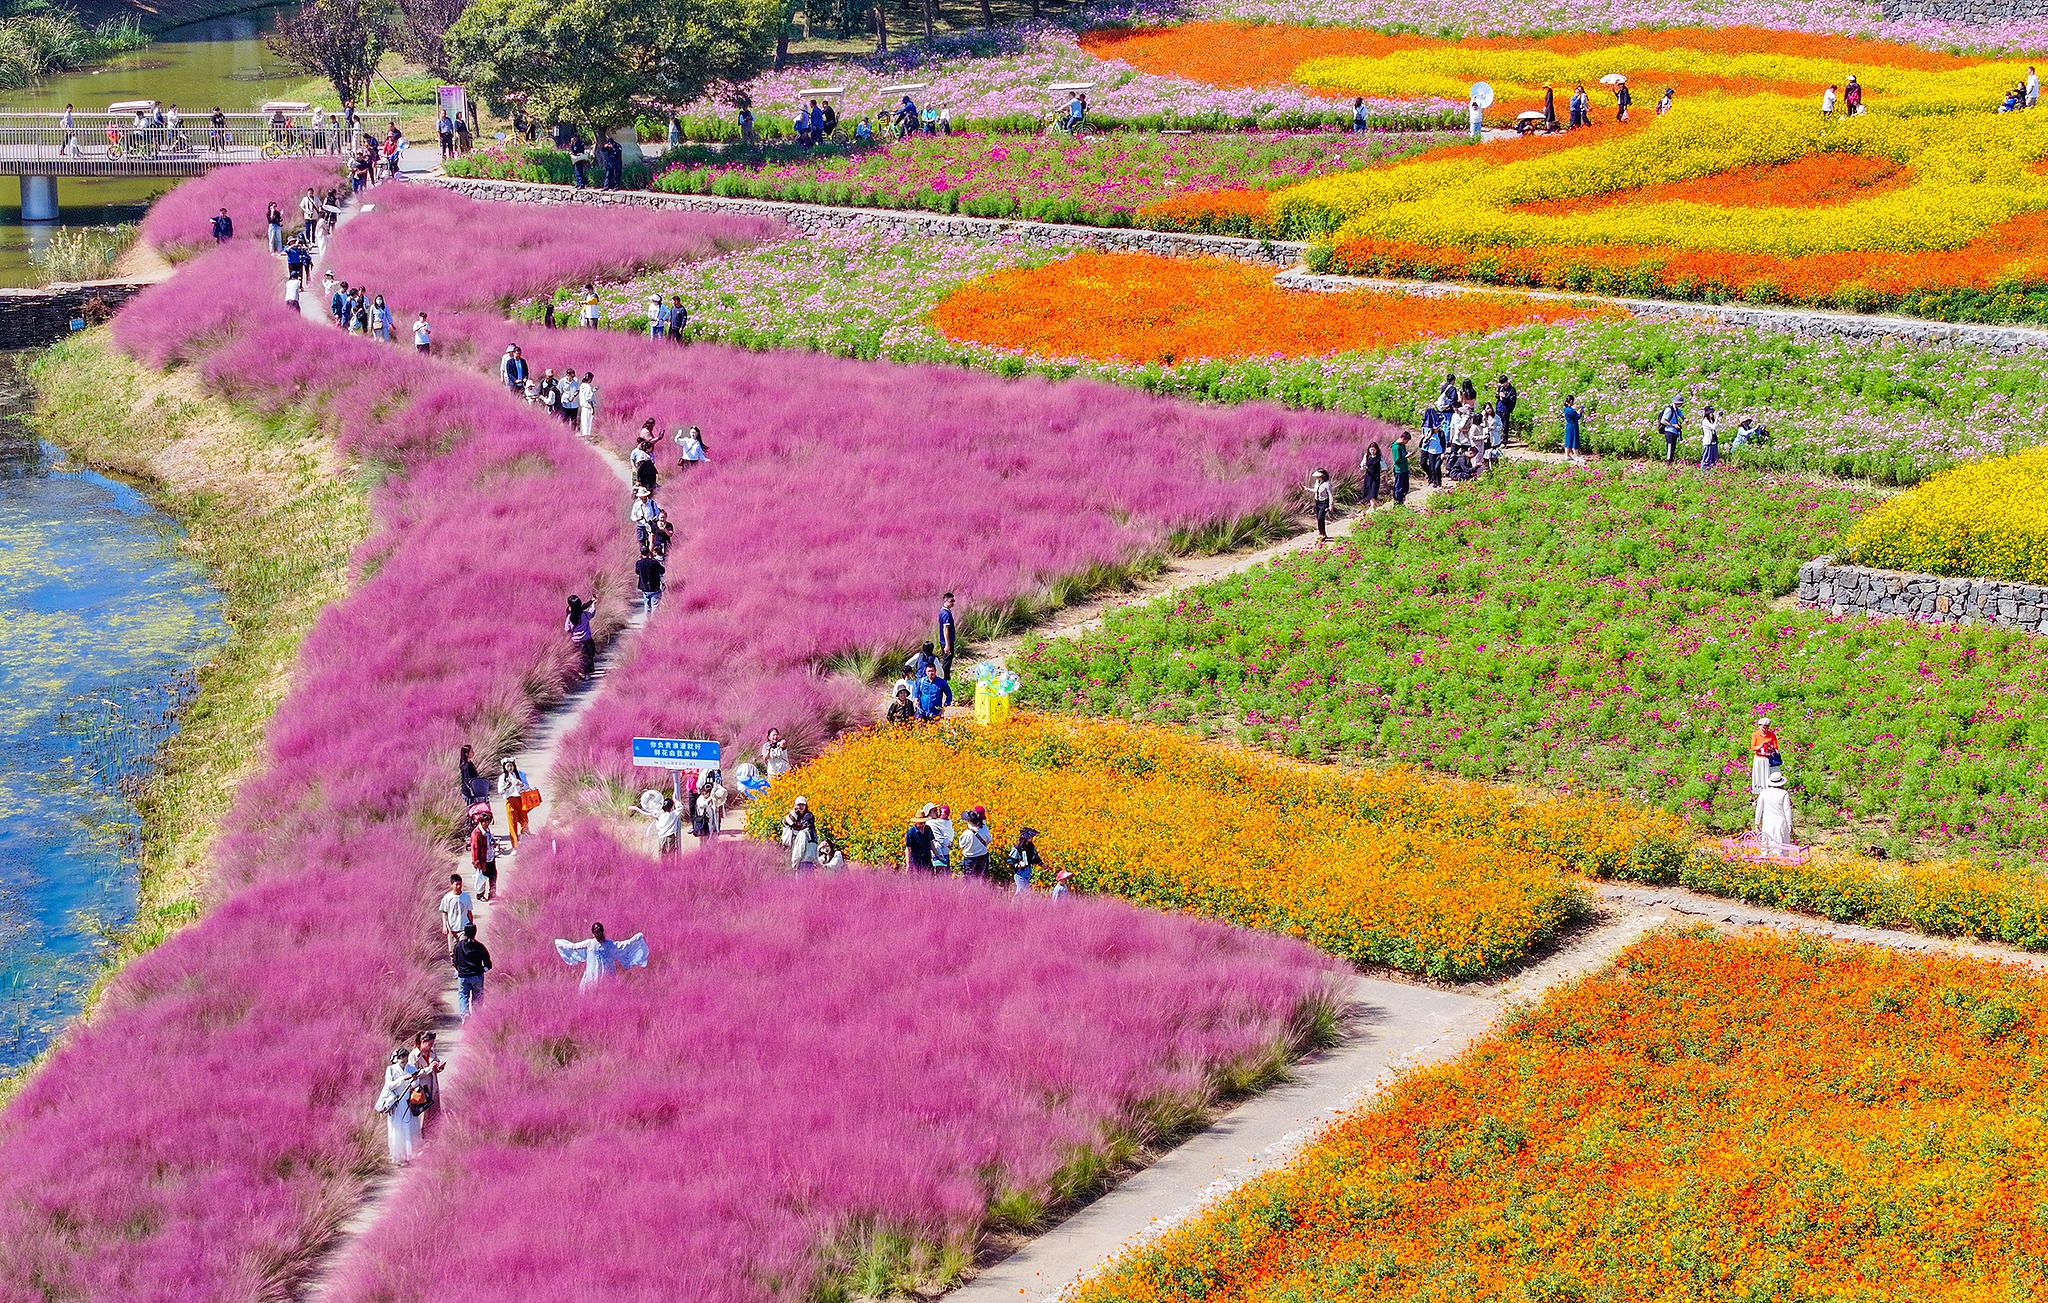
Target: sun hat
(1764, 720)
(1777, 778)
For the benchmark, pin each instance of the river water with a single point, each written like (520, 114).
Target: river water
(107, 624)
(223, 62)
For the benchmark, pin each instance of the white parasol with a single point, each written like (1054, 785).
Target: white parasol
(1482, 94)
(1614, 78)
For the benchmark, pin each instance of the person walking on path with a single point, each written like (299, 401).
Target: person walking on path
(947, 636)
(1369, 476)
(394, 1101)
(1852, 97)
(273, 227)
(483, 854)
(422, 335)
(516, 370)
(467, 780)
(800, 834)
(520, 798)
(586, 411)
(711, 802)
(1622, 100)
(1401, 469)
(601, 957)
(471, 961)
(647, 573)
(1572, 418)
(1549, 107)
(1023, 859)
(1670, 424)
(1774, 817)
(577, 626)
(644, 512)
(458, 911)
(1319, 491)
(917, 843)
(1764, 756)
(974, 843)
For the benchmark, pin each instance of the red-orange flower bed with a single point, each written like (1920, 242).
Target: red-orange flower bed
(1142, 308)
(1816, 181)
(1710, 1118)
(1924, 283)
(1248, 54)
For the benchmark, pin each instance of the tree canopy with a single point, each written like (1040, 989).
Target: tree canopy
(602, 62)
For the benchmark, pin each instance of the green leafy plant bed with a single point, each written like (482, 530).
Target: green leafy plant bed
(1610, 627)
(1101, 180)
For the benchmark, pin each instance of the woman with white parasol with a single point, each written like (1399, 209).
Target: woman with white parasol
(1774, 817)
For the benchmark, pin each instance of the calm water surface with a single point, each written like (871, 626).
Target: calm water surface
(222, 62)
(106, 624)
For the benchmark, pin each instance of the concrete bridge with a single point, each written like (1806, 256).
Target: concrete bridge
(38, 148)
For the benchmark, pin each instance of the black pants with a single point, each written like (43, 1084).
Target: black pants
(588, 650)
(1322, 518)
(1671, 445)
(946, 667)
(1372, 486)
(1401, 485)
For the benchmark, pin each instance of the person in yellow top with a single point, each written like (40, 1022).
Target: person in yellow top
(1763, 752)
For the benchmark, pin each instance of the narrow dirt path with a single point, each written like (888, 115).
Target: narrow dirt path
(1183, 573)
(536, 759)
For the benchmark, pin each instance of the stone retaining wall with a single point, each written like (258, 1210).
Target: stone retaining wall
(1964, 11)
(1932, 599)
(33, 318)
(812, 217)
(1282, 253)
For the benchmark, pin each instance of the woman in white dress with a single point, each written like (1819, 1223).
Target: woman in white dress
(1774, 817)
(602, 958)
(401, 1124)
(774, 755)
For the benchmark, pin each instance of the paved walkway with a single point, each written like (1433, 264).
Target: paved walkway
(1394, 1028)
(536, 760)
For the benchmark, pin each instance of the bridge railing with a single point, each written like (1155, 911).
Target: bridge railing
(115, 140)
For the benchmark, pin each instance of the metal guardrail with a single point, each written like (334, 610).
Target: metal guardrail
(104, 144)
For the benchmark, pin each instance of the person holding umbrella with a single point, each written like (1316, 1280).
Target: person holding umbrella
(1622, 98)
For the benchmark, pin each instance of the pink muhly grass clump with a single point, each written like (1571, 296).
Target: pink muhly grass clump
(842, 497)
(433, 250)
(805, 1059)
(181, 222)
(204, 1134)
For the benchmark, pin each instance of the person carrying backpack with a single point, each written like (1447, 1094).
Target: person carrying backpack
(1670, 424)
(1023, 858)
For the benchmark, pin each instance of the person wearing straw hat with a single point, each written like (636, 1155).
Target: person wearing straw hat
(1763, 752)
(918, 841)
(1774, 817)
(1023, 859)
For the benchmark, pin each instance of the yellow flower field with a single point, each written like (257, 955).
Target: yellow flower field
(1970, 172)
(1456, 880)
(1988, 520)
(1710, 1118)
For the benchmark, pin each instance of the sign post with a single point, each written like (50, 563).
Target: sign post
(675, 754)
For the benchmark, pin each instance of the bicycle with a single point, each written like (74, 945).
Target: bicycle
(137, 143)
(293, 146)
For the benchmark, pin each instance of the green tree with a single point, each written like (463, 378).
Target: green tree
(602, 62)
(342, 40)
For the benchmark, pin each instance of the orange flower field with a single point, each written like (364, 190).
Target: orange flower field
(1710, 1118)
(1452, 879)
(1143, 308)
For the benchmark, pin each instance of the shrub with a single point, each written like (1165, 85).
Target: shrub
(180, 223)
(934, 1049)
(222, 1090)
(1377, 867)
(1988, 520)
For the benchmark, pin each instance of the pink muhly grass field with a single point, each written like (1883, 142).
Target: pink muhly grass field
(805, 1059)
(843, 497)
(435, 250)
(207, 1131)
(181, 222)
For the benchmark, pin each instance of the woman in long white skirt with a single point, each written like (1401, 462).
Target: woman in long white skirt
(401, 1124)
(1774, 817)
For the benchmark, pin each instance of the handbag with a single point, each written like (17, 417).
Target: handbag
(418, 1100)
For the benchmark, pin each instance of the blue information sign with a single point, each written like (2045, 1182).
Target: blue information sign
(674, 753)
